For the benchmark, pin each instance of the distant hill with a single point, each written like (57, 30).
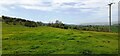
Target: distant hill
(100, 23)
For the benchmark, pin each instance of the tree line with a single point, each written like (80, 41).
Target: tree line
(57, 24)
(15, 21)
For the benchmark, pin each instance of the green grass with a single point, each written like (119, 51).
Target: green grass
(0, 37)
(47, 40)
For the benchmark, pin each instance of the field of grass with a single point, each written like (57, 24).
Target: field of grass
(47, 40)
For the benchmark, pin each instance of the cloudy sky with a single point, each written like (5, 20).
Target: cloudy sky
(67, 11)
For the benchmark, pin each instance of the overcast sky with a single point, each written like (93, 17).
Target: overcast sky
(67, 11)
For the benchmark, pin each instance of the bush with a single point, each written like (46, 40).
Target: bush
(30, 24)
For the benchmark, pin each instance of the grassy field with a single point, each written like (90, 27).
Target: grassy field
(47, 40)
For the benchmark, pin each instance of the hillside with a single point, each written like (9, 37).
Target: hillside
(58, 24)
(19, 39)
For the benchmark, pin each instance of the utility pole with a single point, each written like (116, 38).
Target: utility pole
(110, 16)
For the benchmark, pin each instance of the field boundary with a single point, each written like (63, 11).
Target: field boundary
(0, 38)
